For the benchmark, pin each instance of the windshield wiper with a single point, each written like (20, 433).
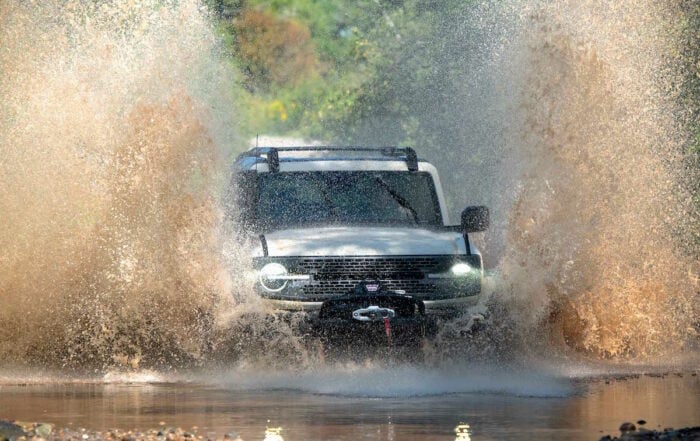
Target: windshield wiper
(398, 198)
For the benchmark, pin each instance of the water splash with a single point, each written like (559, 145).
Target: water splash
(113, 118)
(600, 213)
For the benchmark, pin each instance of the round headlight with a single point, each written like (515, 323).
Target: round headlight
(460, 269)
(272, 277)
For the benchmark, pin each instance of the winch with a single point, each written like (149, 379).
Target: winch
(371, 313)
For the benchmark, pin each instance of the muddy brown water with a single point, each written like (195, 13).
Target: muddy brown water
(584, 409)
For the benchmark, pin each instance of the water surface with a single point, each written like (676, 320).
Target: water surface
(593, 408)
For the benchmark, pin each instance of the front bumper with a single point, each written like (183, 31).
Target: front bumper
(443, 307)
(374, 316)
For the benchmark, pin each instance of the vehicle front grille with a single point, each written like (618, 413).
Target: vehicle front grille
(374, 265)
(334, 276)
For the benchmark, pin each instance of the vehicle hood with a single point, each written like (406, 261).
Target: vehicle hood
(363, 241)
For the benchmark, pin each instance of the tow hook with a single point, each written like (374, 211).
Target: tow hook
(373, 314)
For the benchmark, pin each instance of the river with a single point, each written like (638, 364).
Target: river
(528, 407)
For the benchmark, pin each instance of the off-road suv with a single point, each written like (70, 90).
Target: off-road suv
(356, 235)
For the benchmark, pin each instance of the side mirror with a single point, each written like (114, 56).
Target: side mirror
(475, 219)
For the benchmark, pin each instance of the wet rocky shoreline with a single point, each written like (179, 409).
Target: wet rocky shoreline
(631, 432)
(23, 431)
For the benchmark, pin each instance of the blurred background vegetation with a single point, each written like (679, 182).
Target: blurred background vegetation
(320, 68)
(302, 61)
(348, 70)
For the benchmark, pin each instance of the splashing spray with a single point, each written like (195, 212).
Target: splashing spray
(599, 214)
(113, 115)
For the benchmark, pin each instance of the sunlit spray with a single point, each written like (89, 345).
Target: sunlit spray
(585, 172)
(115, 121)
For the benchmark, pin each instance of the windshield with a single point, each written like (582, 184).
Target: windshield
(348, 198)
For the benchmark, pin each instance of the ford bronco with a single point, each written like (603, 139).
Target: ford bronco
(356, 237)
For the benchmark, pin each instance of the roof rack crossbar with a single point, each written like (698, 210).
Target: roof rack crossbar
(273, 161)
(411, 159)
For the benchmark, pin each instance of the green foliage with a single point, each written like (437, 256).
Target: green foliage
(328, 20)
(272, 51)
(414, 91)
(303, 61)
(226, 9)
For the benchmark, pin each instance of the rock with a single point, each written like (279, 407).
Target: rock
(232, 436)
(641, 422)
(668, 434)
(43, 430)
(10, 431)
(627, 427)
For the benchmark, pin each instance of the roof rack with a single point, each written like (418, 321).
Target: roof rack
(271, 154)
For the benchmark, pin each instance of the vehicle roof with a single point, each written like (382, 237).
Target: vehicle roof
(336, 164)
(331, 158)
